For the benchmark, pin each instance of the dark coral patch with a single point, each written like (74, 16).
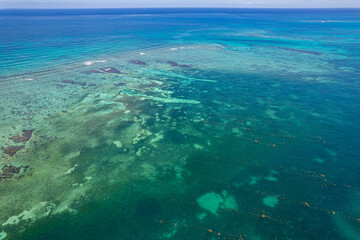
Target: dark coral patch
(12, 150)
(110, 70)
(26, 135)
(174, 64)
(119, 84)
(91, 71)
(10, 171)
(138, 62)
(73, 82)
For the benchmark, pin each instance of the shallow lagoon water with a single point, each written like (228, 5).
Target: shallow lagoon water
(180, 124)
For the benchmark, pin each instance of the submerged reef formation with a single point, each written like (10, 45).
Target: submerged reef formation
(110, 70)
(91, 71)
(9, 171)
(24, 137)
(12, 150)
(174, 64)
(202, 150)
(73, 82)
(138, 62)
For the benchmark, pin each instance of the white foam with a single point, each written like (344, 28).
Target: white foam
(175, 48)
(141, 53)
(88, 63)
(29, 79)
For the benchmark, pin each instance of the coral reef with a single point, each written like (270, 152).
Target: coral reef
(11, 150)
(110, 70)
(91, 71)
(9, 171)
(73, 82)
(138, 62)
(26, 135)
(174, 64)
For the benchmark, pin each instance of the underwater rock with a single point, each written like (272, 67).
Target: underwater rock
(8, 171)
(138, 62)
(119, 84)
(110, 70)
(73, 82)
(300, 51)
(11, 150)
(91, 71)
(148, 207)
(24, 137)
(174, 64)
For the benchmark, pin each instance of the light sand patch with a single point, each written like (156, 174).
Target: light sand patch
(171, 100)
(71, 169)
(118, 144)
(271, 201)
(213, 201)
(158, 137)
(201, 216)
(141, 136)
(3, 235)
(254, 180)
(271, 113)
(43, 209)
(198, 147)
(318, 160)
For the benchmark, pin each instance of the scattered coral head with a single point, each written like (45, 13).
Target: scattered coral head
(138, 62)
(11, 150)
(26, 135)
(110, 70)
(9, 171)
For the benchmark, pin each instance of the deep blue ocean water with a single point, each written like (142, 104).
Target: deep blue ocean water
(180, 124)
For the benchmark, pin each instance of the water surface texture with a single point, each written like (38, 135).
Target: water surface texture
(180, 124)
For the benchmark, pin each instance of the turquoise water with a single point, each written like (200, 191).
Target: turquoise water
(179, 124)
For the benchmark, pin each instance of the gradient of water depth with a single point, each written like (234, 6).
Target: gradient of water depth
(180, 124)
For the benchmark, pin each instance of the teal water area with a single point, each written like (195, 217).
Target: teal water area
(179, 124)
